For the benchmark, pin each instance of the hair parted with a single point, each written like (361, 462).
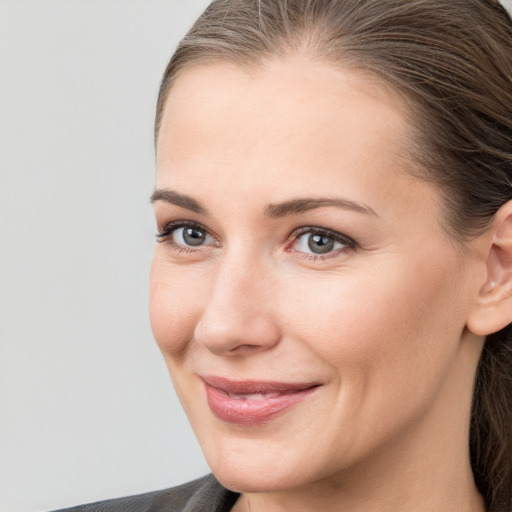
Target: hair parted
(452, 62)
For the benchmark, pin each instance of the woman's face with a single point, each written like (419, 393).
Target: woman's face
(308, 303)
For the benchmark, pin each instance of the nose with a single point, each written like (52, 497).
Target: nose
(237, 318)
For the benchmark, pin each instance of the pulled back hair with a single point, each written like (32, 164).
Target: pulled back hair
(452, 62)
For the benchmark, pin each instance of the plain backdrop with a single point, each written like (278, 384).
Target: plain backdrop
(87, 410)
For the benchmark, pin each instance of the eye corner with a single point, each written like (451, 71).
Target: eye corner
(329, 243)
(194, 236)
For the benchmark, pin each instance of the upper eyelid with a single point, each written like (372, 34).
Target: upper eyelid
(170, 227)
(176, 224)
(330, 232)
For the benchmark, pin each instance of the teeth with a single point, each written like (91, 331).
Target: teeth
(254, 396)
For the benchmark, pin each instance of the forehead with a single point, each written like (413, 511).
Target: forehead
(296, 122)
(295, 94)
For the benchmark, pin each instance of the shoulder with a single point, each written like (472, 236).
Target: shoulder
(204, 494)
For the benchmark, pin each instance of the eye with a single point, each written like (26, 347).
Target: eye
(320, 242)
(185, 235)
(190, 236)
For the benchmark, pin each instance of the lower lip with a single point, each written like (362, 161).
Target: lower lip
(247, 412)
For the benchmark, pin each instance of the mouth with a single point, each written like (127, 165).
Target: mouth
(247, 403)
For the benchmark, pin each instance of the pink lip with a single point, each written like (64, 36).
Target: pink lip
(228, 401)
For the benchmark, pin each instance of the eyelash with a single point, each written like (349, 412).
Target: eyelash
(347, 242)
(165, 236)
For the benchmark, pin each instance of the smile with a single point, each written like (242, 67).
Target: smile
(247, 403)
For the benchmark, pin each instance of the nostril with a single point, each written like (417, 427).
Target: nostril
(246, 349)
(236, 336)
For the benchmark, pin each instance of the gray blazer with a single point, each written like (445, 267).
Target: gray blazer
(203, 495)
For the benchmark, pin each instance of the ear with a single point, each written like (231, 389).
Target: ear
(493, 308)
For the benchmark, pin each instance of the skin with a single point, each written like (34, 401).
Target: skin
(381, 324)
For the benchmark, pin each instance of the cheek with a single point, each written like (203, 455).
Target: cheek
(388, 335)
(384, 326)
(174, 307)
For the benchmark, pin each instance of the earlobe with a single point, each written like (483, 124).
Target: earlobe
(493, 308)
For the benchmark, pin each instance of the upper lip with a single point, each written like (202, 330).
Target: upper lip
(253, 386)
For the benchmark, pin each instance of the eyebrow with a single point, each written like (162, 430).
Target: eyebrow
(297, 206)
(273, 211)
(172, 197)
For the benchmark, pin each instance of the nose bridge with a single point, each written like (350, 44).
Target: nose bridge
(235, 274)
(237, 314)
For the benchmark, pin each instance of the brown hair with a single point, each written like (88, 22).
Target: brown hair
(452, 61)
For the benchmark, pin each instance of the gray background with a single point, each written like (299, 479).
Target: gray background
(87, 410)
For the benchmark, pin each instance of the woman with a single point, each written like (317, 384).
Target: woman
(332, 287)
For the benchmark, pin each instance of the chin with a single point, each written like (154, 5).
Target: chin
(259, 465)
(254, 480)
